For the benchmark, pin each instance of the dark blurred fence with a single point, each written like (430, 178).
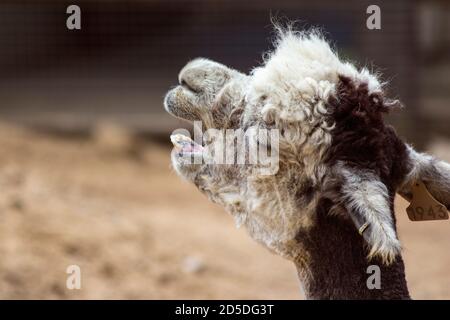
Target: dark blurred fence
(128, 54)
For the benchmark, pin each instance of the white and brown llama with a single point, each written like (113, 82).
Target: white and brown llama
(340, 166)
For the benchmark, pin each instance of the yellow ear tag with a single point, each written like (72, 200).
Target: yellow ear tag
(423, 206)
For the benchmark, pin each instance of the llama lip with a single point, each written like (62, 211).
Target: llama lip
(185, 145)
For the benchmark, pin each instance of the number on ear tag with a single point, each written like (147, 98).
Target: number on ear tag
(423, 206)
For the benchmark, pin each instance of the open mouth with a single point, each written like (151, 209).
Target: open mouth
(185, 146)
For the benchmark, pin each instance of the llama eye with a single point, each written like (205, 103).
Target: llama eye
(185, 85)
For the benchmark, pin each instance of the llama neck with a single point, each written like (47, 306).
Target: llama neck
(334, 264)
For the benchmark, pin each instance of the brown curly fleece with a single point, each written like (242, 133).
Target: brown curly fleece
(361, 140)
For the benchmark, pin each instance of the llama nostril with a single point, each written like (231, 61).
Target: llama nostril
(187, 86)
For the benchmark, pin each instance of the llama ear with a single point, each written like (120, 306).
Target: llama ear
(435, 175)
(367, 201)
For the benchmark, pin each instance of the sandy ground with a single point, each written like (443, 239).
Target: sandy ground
(137, 231)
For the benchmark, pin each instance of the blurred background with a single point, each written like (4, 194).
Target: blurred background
(85, 172)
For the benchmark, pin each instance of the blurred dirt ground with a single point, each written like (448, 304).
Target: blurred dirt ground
(115, 208)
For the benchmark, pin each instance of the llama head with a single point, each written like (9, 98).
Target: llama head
(296, 93)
